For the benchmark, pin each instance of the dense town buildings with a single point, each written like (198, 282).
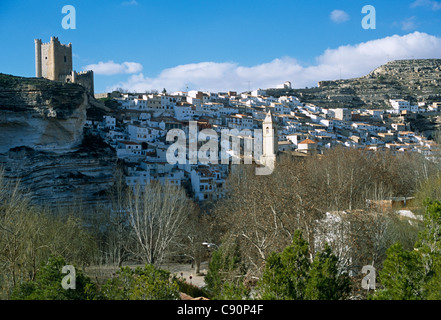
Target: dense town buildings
(138, 131)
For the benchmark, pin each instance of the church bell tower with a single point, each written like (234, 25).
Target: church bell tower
(270, 141)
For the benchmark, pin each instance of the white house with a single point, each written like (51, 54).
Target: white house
(343, 114)
(207, 183)
(239, 121)
(258, 92)
(307, 145)
(109, 122)
(376, 114)
(399, 105)
(329, 123)
(172, 178)
(280, 108)
(126, 149)
(138, 177)
(184, 112)
(369, 127)
(138, 133)
(296, 138)
(286, 146)
(194, 101)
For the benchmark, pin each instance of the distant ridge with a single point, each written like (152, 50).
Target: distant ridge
(416, 80)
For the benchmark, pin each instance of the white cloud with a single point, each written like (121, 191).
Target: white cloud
(339, 16)
(345, 61)
(111, 68)
(434, 5)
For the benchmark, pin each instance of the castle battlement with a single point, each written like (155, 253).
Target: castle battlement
(54, 40)
(83, 72)
(53, 60)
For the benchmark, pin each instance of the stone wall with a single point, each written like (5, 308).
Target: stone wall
(85, 79)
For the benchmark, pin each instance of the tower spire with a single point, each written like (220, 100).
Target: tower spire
(269, 141)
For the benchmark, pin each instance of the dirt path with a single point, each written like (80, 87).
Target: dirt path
(186, 271)
(102, 273)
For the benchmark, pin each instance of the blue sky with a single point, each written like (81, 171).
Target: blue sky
(220, 45)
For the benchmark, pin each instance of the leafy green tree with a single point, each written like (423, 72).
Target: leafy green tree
(432, 285)
(234, 290)
(429, 247)
(146, 283)
(290, 275)
(325, 281)
(224, 279)
(286, 274)
(416, 274)
(213, 279)
(188, 288)
(401, 276)
(430, 237)
(47, 284)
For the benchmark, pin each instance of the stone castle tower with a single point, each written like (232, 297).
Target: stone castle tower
(53, 61)
(270, 141)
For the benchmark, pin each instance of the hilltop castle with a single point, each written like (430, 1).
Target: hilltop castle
(53, 61)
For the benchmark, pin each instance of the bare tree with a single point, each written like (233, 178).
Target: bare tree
(29, 235)
(263, 212)
(195, 231)
(117, 240)
(156, 214)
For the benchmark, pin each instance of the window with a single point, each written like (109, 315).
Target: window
(65, 59)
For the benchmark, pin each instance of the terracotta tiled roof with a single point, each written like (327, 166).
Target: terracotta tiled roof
(307, 141)
(129, 143)
(185, 296)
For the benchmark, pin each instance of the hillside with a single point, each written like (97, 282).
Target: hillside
(413, 80)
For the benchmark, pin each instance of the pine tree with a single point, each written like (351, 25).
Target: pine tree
(48, 284)
(429, 247)
(416, 274)
(291, 276)
(224, 279)
(401, 276)
(148, 283)
(325, 281)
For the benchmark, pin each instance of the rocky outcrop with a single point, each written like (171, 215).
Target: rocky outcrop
(59, 179)
(42, 141)
(41, 114)
(413, 80)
